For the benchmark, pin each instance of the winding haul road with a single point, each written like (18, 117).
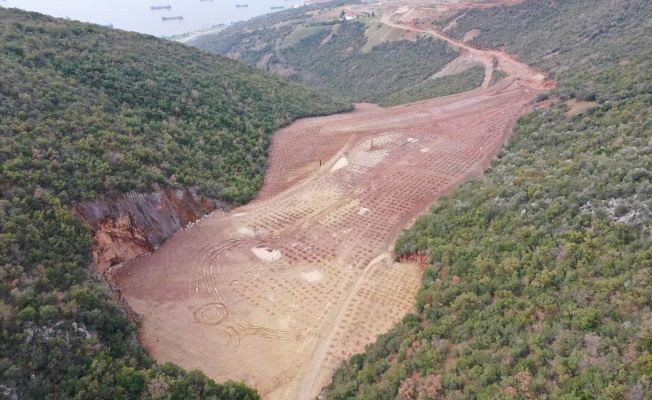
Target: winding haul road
(278, 292)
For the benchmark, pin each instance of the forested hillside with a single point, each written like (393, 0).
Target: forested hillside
(446, 85)
(88, 112)
(338, 57)
(333, 61)
(249, 40)
(539, 276)
(599, 50)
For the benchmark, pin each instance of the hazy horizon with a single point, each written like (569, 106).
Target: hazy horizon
(137, 16)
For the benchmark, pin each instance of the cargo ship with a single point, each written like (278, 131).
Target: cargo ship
(242, 5)
(161, 7)
(277, 8)
(180, 17)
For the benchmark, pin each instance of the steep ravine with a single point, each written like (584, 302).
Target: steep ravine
(136, 223)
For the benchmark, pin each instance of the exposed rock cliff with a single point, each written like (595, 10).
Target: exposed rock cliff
(136, 223)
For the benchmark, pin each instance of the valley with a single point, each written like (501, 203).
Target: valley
(278, 292)
(389, 201)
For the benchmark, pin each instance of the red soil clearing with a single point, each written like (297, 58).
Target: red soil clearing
(277, 293)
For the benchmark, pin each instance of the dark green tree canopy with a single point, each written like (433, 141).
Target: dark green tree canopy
(539, 280)
(88, 112)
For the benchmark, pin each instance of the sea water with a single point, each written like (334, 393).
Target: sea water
(137, 16)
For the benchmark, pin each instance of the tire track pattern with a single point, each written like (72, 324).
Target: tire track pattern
(282, 320)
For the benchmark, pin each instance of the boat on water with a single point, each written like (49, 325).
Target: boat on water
(180, 17)
(161, 7)
(242, 5)
(277, 8)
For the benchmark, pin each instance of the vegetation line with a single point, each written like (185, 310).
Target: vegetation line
(539, 282)
(92, 113)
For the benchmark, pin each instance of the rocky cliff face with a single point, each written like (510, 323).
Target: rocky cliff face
(136, 223)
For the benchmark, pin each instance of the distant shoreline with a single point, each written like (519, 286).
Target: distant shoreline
(187, 36)
(199, 17)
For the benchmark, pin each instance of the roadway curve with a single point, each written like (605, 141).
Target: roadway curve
(521, 72)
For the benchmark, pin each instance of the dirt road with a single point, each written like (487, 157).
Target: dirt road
(277, 293)
(400, 18)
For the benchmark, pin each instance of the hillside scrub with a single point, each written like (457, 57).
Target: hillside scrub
(464, 81)
(88, 112)
(607, 42)
(539, 283)
(497, 76)
(333, 57)
(339, 67)
(252, 39)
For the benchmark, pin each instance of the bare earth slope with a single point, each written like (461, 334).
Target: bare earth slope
(278, 292)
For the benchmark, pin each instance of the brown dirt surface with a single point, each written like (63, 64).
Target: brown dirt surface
(278, 292)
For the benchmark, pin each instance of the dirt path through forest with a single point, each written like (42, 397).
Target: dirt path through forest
(278, 292)
(525, 74)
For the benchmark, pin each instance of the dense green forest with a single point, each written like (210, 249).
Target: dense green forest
(539, 276)
(88, 112)
(333, 56)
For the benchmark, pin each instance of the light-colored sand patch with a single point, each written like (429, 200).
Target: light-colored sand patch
(538, 78)
(341, 163)
(312, 276)
(362, 158)
(470, 35)
(266, 254)
(246, 231)
(425, 149)
(462, 63)
(363, 211)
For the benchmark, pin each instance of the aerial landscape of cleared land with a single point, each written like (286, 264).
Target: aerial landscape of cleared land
(411, 200)
(279, 292)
